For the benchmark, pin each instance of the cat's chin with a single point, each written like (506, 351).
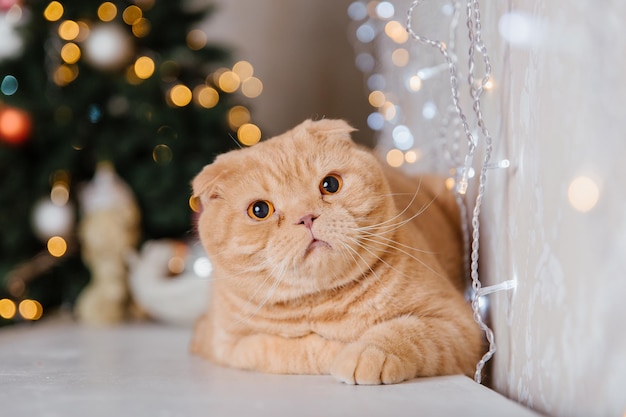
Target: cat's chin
(315, 246)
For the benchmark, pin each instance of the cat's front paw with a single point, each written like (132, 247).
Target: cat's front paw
(368, 364)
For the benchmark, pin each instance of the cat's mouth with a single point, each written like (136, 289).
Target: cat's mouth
(315, 244)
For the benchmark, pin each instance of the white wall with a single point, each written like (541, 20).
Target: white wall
(562, 334)
(301, 52)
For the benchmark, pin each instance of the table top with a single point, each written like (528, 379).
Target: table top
(60, 368)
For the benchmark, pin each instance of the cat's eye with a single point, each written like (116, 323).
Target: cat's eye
(331, 184)
(260, 210)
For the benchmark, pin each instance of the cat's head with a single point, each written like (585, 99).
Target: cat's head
(290, 215)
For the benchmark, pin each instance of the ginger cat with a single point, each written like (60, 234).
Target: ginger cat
(326, 262)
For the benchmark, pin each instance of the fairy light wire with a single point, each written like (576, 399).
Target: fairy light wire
(476, 45)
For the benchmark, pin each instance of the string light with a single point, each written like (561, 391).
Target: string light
(107, 11)
(7, 309)
(53, 12)
(249, 134)
(476, 89)
(30, 309)
(583, 193)
(57, 246)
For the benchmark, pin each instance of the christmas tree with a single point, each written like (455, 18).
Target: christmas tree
(83, 81)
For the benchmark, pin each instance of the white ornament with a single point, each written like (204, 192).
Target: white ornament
(52, 220)
(12, 43)
(177, 300)
(108, 46)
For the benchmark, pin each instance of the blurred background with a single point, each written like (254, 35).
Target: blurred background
(108, 109)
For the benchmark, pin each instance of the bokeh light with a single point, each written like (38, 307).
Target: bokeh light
(583, 193)
(376, 98)
(229, 81)
(237, 116)
(252, 87)
(70, 53)
(206, 97)
(243, 69)
(412, 156)
(415, 83)
(194, 204)
(69, 30)
(144, 67)
(400, 57)
(395, 158)
(7, 309)
(132, 14)
(60, 194)
(249, 134)
(53, 12)
(180, 95)
(65, 74)
(196, 39)
(9, 85)
(396, 31)
(162, 154)
(57, 246)
(30, 309)
(141, 28)
(107, 11)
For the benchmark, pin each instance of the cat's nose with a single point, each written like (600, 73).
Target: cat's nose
(307, 220)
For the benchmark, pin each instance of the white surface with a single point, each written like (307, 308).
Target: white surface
(63, 369)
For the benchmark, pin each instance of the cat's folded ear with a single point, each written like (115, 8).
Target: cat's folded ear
(204, 185)
(328, 127)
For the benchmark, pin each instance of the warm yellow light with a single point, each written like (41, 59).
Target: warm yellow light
(7, 309)
(412, 156)
(69, 30)
(400, 57)
(83, 31)
(583, 193)
(376, 98)
(450, 183)
(194, 204)
(60, 194)
(180, 95)
(415, 83)
(141, 28)
(30, 309)
(162, 154)
(107, 11)
(388, 110)
(396, 31)
(489, 85)
(53, 12)
(237, 116)
(243, 69)
(132, 14)
(229, 82)
(205, 96)
(144, 67)
(249, 134)
(65, 74)
(70, 53)
(131, 76)
(57, 246)
(252, 87)
(196, 39)
(176, 265)
(395, 157)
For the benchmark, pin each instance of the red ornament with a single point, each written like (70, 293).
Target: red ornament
(5, 5)
(15, 125)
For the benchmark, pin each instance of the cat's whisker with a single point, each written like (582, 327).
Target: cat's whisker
(387, 228)
(391, 242)
(352, 251)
